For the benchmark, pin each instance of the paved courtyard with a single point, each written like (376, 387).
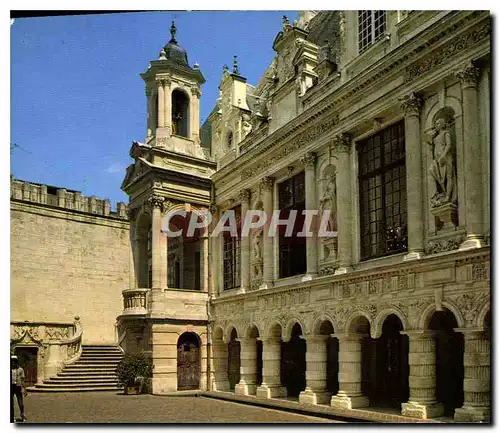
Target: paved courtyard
(104, 407)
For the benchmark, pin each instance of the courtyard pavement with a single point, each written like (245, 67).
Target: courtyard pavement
(111, 407)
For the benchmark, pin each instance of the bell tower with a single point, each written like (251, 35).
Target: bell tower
(173, 91)
(165, 304)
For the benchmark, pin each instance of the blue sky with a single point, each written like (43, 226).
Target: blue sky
(77, 100)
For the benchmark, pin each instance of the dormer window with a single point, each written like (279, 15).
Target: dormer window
(371, 27)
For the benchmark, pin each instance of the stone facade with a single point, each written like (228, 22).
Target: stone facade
(395, 310)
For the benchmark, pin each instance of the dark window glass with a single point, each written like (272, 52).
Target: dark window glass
(292, 249)
(382, 191)
(231, 255)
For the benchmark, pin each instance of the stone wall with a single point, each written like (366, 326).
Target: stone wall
(67, 263)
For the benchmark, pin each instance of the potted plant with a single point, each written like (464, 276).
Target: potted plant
(132, 371)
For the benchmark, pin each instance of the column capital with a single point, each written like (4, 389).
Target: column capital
(131, 213)
(195, 91)
(244, 195)
(472, 333)
(156, 201)
(411, 104)
(419, 334)
(267, 183)
(469, 75)
(349, 336)
(314, 338)
(342, 142)
(214, 208)
(309, 160)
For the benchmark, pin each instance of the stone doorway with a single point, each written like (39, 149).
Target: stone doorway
(28, 361)
(293, 363)
(449, 361)
(188, 362)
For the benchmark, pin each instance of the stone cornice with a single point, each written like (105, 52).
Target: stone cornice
(396, 58)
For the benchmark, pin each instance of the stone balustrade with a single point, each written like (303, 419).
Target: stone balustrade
(64, 198)
(58, 344)
(135, 301)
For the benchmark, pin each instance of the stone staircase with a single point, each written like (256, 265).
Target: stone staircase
(95, 370)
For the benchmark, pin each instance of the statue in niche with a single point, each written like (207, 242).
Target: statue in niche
(257, 244)
(442, 168)
(246, 126)
(329, 200)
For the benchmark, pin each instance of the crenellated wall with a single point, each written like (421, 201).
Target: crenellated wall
(67, 262)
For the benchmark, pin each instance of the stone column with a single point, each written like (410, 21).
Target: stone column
(343, 144)
(469, 78)
(349, 395)
(316, 364)
(214, 253)
(248, 367)
(477, 390)
(309, 162)
(161, 104)
(205, 262)
(158, 283)
(167, 98)
(149, 125)
(267, 185)
(245, 243)
(220, 357)
(271, 370)
(422, 360)
(414, 181)
(194, 124)
(132, 279)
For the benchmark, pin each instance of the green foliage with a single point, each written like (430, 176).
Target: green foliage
(131, 367)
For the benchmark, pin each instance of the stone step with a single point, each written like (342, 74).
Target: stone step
(91, 365)
(86, 373)
(73, 380)
(80, 389)
(47, 384)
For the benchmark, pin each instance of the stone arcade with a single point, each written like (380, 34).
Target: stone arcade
(383, 118)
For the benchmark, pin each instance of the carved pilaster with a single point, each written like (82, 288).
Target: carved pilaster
(469, 75)
(411, 104)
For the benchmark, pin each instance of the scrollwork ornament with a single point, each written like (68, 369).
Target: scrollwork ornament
(309, 160)
(411, 104)
(195, 91)
(469, 75)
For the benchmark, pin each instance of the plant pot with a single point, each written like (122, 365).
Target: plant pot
(131, 390)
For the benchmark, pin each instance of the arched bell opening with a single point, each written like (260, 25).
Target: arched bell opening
(293, 363)
(188, 361)
(180, 113)
(390, 384)
(449, 361)
(234, 360)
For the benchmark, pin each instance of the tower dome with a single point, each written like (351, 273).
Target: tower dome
(173, 51)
